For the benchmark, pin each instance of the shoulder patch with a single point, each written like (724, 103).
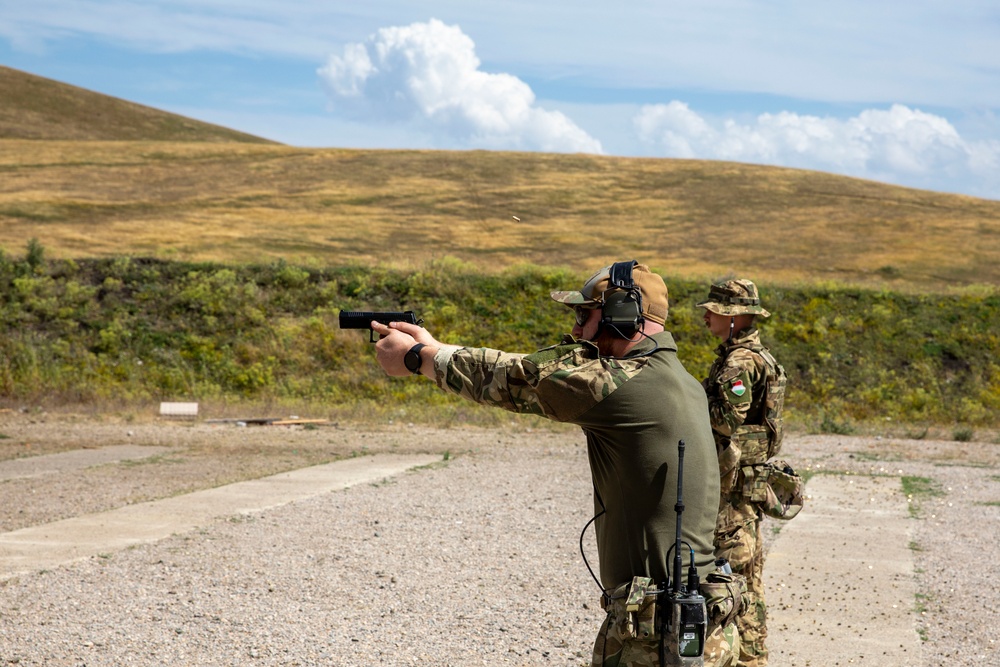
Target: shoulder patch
(737, 387)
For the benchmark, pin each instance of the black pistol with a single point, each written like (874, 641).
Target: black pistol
(362, 319)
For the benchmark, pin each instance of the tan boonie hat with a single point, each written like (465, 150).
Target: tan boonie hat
(783, 490)
(734, 297)
(651, 286)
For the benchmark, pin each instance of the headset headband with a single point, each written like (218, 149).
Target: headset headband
(620, 275)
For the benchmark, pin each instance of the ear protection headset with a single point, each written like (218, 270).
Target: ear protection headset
(621, 309)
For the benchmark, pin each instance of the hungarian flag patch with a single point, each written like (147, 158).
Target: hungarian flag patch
(738, 388)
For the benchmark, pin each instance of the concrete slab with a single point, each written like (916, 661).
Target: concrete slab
(50, 545)
(839, 578)
(78, 459)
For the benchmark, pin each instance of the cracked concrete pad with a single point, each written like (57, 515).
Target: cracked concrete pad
(839, 578)
(50, 545)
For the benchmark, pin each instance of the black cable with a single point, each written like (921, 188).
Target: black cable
(656, 348)
(666, 557)
(604, 594)
(656, 345)
(582, 533)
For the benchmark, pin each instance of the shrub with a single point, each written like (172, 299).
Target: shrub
(137, 327)
(962, 434)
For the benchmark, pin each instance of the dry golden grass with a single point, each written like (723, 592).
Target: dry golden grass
(243, 202)
(33, 107)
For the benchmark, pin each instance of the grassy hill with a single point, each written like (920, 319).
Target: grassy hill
(156, 268)
(251, 203)
(33, 107)
(115, 178)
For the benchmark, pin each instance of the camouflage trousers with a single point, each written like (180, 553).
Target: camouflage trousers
(739, 541)
(630, 638)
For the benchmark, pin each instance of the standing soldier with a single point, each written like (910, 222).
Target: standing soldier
(618, 378)
(746, 392)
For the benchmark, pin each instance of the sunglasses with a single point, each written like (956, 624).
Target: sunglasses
(582, 314)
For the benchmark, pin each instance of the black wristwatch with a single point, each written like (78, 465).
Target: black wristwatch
(412, 358)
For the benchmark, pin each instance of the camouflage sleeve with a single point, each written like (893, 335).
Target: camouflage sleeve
(730, 389)
(560, 383)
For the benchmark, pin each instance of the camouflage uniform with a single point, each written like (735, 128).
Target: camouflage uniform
(747, 426)
(633, 411)
(629, 635)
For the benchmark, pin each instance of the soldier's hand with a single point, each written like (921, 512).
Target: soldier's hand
(391, 348)
(419, 334)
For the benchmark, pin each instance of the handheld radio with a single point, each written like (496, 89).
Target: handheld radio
(684, 616)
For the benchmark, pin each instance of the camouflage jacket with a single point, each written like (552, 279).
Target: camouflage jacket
(559, 382)
(633, 412)
(736, 384)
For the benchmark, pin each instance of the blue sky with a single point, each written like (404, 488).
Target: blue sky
(905, 93)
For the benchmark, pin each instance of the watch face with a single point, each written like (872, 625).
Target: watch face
(412, 359)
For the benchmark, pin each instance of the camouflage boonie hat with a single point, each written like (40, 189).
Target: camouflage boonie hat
(783, 489)
(651, 286)
(734, 297)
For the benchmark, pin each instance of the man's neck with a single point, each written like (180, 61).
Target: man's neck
(739, 337)
(617, 347)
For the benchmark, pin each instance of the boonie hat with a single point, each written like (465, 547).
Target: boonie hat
(734, 297)
(651, 286)
(783, 491)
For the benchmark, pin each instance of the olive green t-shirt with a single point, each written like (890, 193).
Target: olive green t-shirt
(633, 412)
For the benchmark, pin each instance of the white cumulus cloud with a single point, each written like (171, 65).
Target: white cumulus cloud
(898, 144)
(428, 75)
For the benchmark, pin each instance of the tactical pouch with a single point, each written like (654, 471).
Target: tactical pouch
(725, 597)
(755, 483)
(639, 619)
(736, 534)
(633, 609)
(754, 443)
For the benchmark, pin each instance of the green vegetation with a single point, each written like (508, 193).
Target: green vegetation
(917, 490)
(871, 456)
(921, 606)
(962, 434)
(133, 330)
(830, 424)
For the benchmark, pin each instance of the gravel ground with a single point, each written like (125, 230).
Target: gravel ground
(471, 562)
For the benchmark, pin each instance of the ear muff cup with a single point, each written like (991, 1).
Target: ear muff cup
(622, 308)
(623, 313)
